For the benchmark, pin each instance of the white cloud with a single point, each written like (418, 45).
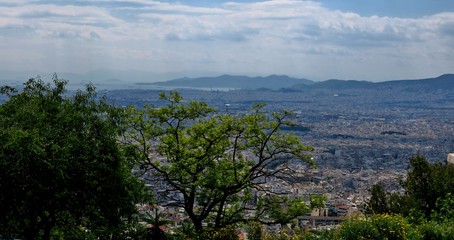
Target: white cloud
(301, 38)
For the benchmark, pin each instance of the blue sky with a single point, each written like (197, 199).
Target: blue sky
(394, 8)
(345, 39)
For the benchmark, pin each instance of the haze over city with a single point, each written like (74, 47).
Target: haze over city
(318, 40)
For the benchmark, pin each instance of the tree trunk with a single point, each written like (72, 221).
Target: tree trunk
(31, 232)
(198, 226)
(219, 214)
(47, 230)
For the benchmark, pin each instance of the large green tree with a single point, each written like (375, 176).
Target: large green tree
(217, 167)
(62, 170)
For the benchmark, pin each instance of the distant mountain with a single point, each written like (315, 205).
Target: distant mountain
(118, 79)
(445, 82)
(274, 82)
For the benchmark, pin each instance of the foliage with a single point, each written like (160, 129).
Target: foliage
(437, 231)
(381, 226)
(444, 211)
(426, 184)
(62, 171)
(254, 230)
(358, 229)
(274, 209)
(418, 185)
(317, 201)
(377, 226)
(225, 233)
(383, 202)
(185, 231)
(379, 201)
(217, 163)
(155, 219)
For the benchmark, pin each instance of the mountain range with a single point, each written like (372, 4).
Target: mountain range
(274, 82)
(115, 79)
(282, 82)
(445, 82)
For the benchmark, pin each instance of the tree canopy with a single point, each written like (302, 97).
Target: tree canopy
(428, 190)
(62, 170)
(212, 165)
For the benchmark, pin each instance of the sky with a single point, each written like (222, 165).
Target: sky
(344, 39)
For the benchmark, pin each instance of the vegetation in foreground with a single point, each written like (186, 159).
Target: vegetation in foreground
(62, 173)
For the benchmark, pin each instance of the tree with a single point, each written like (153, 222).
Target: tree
(379, 201)
(425, 185)
(62, 170)
(214, 166)
(382, 202)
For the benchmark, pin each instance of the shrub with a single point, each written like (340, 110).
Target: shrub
(437, 231)
(381, 226)
(358, 229)
(393, 227)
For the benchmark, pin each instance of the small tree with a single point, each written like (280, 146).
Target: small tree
(62, 170)
(213, 165)
(385, 202)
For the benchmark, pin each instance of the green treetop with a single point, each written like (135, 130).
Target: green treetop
(62, 171)
(217, 163)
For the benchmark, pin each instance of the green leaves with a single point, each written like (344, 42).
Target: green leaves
(380, 226)
(279, 209)
(428, 189)
(60, 163)
(213, 160)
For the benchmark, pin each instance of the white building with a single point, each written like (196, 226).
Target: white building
(451, 158)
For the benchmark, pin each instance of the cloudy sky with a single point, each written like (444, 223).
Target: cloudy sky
(345, 39)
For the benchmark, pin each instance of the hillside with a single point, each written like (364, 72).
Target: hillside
(443, 82)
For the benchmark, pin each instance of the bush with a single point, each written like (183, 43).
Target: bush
(394, 227)
(358, 229)
(437, 231)
(378, 227)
